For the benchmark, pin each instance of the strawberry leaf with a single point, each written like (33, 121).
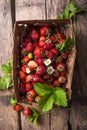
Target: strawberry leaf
(13, 101)
(66, 46)
(60, 97)
(46, 102)
(42, 89)
(8, 81)
(2, 83)
(34, 116)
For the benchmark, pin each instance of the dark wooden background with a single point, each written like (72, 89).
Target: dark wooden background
(59, 119)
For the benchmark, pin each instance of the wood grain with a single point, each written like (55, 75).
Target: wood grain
(8, 119)
(78, 115)
(30, 9)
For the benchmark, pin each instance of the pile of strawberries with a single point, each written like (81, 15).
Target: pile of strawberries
(40, 61)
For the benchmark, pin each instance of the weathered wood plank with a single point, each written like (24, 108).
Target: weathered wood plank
(30, 9)
(27, 10)
(59, 117)
(55, 7)
(8, 119)
(78, 115)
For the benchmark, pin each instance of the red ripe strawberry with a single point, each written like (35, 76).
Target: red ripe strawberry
(28, 78)
(49, 54)
(56, 83)
(36, 44)
(23, 68)
(36, 78)
(18, 108)
(31, 93)
(23, 44)
(42, 43)
(47, 76)
(29, 98)
(34, 34)
(60, 67)
(22, 75)
(32, 64)
(23, 52)
(53, 39)
(62, 79)
(22, 87)
(27, 111)
(63, 73)
(48, 46)
(64, 55)
(40, 61)
(27, 40)
(37, 52)
(55, 51)
(25, 59)
(42, 38)
(28, 86)
(41, 70)
(29, 47)
(44, 30)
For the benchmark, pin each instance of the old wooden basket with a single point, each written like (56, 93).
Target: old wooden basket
(20, 30)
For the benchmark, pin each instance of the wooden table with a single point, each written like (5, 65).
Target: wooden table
(59, 119)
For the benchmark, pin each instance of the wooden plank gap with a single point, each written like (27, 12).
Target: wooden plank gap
(12, 4)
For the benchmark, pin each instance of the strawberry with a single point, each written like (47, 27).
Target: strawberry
(27, 40)
(42, 38)
(31, 93)
(44, 30)
(32, 64)
(55, 51)
(53, 39)
(29, 47)
(28, 78)
(23, 52)
(63, 73)
(36, 78)
(49, 54)
(56, 83)
(48, 46)
(25, 60)
(29, 98)
(28, 86)
(62, 79)
(27, 111)
(40, 61)
(23, 68)
(18, 108)
(64, 55)
(41, 70)
(47, 76)
(59, 59)
(23, 44)
(22, 75)
(36, 44)
(37, 52)
(22, 87)
(34, 34)
(60, 67)
(56, 73)
(42, 43)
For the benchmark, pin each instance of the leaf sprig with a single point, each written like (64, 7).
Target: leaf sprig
(6, 80)
(70, 10)
(50, 96)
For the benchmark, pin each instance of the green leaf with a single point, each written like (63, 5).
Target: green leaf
(60, 97)
(13, 101)
(2, 83)
(70, 10)
(34, 116)
(8, 81)
(46, 102)
(42, 89)
(66, 46)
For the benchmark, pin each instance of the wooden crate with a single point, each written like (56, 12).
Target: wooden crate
(19, 32)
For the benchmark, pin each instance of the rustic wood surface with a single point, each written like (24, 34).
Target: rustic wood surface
(74, 118)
